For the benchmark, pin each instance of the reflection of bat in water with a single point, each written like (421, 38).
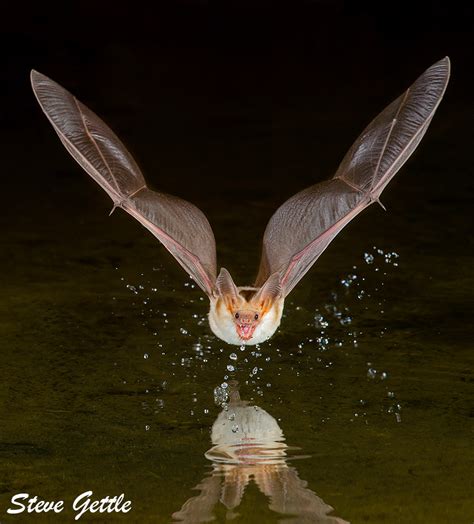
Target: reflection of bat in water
(297, 233)
(249, 448)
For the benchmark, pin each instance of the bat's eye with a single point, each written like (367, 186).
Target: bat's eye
(256, 316)
(236, 315)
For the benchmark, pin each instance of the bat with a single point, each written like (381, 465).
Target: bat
(298, 232)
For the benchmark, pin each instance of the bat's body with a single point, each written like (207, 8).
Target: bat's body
(298, 232)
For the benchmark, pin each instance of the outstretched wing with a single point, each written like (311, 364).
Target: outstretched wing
(304, 225)
(179, 225)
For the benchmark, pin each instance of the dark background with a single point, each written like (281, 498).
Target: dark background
(244, 104)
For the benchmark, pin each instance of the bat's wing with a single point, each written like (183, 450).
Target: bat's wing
(180, 226)
(304, 225)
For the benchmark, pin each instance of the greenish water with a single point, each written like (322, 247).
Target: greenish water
(109, 369)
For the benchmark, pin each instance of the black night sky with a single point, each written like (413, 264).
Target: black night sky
(248, 102)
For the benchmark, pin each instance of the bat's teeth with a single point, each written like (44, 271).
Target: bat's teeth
(245, 331)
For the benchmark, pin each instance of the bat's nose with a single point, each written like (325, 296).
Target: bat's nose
(246, 317)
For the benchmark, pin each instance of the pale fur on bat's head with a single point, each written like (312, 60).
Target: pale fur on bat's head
(245, 315)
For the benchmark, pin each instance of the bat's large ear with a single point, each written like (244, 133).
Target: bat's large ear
(226, 287)
(270, 291)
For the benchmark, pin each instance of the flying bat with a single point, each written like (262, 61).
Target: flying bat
(298, 232)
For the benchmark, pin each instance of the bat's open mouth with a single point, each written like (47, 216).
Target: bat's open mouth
(245, 331)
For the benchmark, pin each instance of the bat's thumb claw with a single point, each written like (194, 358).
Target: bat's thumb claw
(378, 202)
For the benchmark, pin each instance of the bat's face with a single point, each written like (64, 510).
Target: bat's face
(244, 322)
(245, 315)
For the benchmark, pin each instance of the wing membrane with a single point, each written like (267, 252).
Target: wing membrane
(304, 225)
(179, 225)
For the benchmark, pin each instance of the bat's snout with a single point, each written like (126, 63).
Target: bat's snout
(246, 317)
(246, 322)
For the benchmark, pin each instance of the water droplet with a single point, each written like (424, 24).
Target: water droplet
(371, 373)
(146, 355)
(183, 331)
(322, 342)
(369, 259)
(235, 428)
(230, 367)
(233, 356)
(220, 396)
(147, 427)
(320, 322)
